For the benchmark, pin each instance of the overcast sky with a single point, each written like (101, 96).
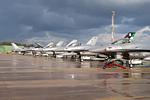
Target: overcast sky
(52, 20)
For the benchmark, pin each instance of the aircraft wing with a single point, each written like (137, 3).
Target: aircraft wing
(124, 51)
(128, 50)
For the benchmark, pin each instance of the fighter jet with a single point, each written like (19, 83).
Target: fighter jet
(131, 52)
(59, 48)
(33, 50)
(76, 50)
(20, 50)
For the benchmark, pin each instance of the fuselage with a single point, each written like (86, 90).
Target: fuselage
(78, 48)
(135, 51)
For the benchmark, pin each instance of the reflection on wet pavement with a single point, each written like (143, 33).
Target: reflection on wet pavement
(39, 78)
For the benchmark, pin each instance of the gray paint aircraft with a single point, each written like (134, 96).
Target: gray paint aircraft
(59, 48)
(76, 50)
(129, 51)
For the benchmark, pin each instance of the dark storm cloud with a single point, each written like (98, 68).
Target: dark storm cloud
(23, 19)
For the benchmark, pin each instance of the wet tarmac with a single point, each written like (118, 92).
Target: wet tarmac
(41, 78)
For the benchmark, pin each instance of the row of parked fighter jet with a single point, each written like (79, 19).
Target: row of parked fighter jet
(122, 49)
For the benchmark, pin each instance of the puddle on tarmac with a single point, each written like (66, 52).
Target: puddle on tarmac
(13, 67)
(70, 76)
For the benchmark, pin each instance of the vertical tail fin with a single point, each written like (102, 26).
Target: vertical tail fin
(127, 39)
(130, 35)
(92, 41)
(72, 43)
(60, 43)
(39, 45)
(51, 44)
(15, 47)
